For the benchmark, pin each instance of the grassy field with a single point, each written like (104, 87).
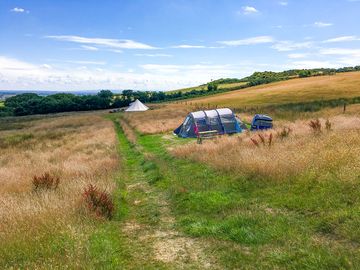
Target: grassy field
(2, 103)
(204, 87)
(292, 205)
(236, 202)
(51, 228)
(342, 85)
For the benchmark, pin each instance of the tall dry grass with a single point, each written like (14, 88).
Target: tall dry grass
(160, 119)
(78, 149)
(333, 152)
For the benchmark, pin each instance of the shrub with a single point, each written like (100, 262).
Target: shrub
(99, 202)
(45, 182)
(315, 125)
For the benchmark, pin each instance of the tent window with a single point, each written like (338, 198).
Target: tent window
(228, 122)
(201, 124)
(214, 123)
(186, 120)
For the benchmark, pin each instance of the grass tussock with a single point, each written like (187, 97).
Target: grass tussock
(45, 181)
(79, 150)
(99, 201)
(290, 154)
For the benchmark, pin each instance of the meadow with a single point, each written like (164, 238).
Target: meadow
(342, 85)
(42, 228)
(288, 203)
(286, 198)
(222, 86)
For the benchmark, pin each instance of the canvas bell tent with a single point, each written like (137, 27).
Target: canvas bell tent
(137, 106)
(221, 120)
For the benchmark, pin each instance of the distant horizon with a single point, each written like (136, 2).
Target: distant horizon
(169, 45)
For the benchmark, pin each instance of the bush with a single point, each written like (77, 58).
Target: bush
(45, 182)
(99, 202)
(315, 125)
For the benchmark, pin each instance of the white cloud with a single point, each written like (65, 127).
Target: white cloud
(311, 64)
(323, 24)
(89, 48)
(342, 39)
(105, 42)
(187, 46)
(283, 3)
(19, 10)
(248, 41)
(284, 46)
(297, 55)
(153, 55)
(247, 10)
(46, 66)
(16, 74)
(341, 51)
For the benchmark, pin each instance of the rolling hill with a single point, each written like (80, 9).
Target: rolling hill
(342, 85)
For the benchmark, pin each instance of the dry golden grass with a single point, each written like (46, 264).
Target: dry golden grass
(342, 85)
(79, 149)
(128, 131)
(336, 151)
(160, 119)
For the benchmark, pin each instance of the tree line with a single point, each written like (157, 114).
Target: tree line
(31, 103)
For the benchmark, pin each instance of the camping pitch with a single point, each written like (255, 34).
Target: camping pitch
(137, 106)
(221, 120)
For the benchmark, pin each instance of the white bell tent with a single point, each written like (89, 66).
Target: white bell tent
(137, 106)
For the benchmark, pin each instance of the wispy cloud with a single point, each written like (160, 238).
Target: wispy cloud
(105, 42)
(283, 3)
(89, 48)
(19, 10)
(248, 41)
(187, 46)
(247, 10)
(340, 51)
(284, 46)
(342, 39)
(85, 62)
(312, 64)
(297, 55)
(153, 55)
(322, 24)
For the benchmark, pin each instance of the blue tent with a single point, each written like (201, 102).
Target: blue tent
(221, 120)
(261, 121)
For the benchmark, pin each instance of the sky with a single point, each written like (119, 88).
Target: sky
(167, 44)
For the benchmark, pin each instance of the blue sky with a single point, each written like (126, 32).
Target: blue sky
(164, 44)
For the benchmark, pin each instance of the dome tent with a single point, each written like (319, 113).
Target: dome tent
(137, 106)
(221, 120)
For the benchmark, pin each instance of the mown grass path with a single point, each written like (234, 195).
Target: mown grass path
(229, 221)
(149, 226)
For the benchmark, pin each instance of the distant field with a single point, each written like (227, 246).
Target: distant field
(1, 103)
(343, 85)
(204, 87)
